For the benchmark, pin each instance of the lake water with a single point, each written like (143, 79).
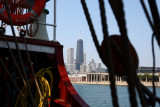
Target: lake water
(99, 95)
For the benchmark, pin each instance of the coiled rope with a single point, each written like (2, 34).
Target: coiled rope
(45, 86)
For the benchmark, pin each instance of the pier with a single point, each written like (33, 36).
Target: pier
(103, 79)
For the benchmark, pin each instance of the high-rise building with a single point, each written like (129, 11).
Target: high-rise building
(74, 65)
(83, 68)
(79, 54)
(99, 64)
(84, 55)
(93, 65)
(89, 69)
(70, 59)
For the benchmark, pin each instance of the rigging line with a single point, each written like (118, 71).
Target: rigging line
(33, 72)
(156, 19)
(148, 18)
(150, 95)
(108, 47)
(94, 37)
(154, 29)
(10, 75)
(147, 14)
(154, 11)
(154, 60)
(140, 91)
(14, 82)
(19, 55)
(13, 58)
(117, 7)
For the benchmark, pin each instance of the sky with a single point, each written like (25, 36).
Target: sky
(72, 25)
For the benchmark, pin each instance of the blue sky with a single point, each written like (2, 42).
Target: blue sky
(71, 24)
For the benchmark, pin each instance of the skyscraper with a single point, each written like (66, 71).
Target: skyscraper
(84, 55)
(83, 66)
(79, 54)
(93, 65)
(99, 64)
(70, 59)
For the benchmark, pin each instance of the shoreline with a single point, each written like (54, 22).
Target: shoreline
(148, 84)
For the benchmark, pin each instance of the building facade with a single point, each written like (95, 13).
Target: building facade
(70, 60)
(98, 65)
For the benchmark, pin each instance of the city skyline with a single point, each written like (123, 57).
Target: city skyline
(80, 61)
(71, 19)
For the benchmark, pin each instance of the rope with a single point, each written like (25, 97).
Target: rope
(152, 98)
(147, 15)
(108, 48)
(19, 54)
(155, 32)
(154, 11)
(94, 37)
(33, 72)
(30, 32)
(140, 92)
(13, 80)
(153, 71)
(156, 18)
(44, 86)
(14, 60)
(117, 7)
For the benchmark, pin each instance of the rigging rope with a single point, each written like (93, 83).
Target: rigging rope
(94, 37)
(147, 14)
(33, 72)
(156, 19)
(19, 54)
(14, 82)
(108, 48)
(155, 32)
(153, 71)
(14, 60)
(117, 7)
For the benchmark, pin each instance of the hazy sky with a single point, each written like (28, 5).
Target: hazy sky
(72, 25)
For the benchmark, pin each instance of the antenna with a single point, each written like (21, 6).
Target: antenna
(80, 36)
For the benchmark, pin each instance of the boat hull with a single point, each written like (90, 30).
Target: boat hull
(43, 54)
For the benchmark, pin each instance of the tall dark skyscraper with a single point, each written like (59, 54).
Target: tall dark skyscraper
(79, 54)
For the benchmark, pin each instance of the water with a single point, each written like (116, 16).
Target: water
(99, 95)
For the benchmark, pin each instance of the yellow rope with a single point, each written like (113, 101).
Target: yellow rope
(45, 88)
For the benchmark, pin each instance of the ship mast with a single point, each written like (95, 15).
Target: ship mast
(54, 28)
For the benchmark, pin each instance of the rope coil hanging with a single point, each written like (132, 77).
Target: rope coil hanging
(21, 19)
